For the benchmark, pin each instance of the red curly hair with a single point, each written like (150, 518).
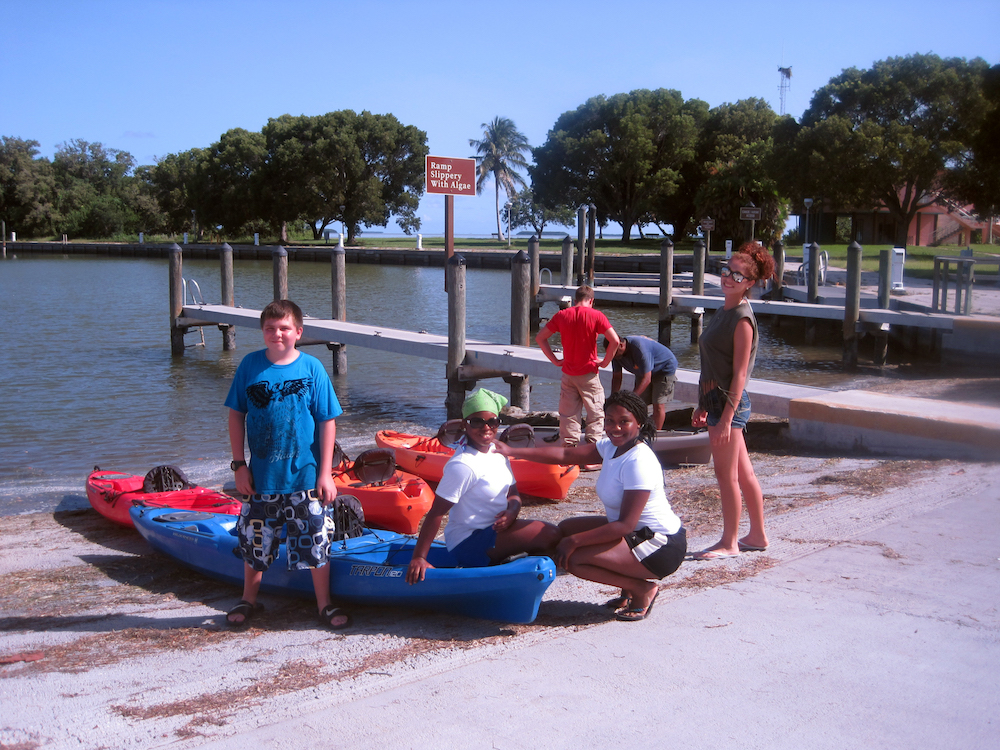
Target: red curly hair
(759, 258)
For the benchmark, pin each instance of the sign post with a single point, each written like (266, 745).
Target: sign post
(707, 225)
(450, 176)
(752, 214)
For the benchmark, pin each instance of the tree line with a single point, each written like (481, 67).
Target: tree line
(904, 132)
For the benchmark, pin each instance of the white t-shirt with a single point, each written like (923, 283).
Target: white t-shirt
(477, 483)
(637, 469)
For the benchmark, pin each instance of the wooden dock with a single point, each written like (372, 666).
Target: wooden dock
(483, 359)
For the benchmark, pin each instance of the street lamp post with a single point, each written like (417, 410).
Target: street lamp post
(508, 205)
(809, 205)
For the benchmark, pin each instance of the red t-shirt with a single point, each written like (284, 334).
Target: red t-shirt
(579, 327)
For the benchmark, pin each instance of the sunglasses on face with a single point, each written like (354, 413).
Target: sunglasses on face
(736, 275)
(479, 422)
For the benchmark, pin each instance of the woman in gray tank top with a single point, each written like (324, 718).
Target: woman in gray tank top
(728, 349)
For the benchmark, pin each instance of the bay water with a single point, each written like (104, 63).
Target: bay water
(89, 379)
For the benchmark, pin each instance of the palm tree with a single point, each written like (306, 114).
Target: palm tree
(500, 153)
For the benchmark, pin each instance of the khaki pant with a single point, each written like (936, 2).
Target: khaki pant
(576, 393)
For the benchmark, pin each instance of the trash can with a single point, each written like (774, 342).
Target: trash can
(896, 268)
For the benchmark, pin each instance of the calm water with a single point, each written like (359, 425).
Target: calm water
(89, 378)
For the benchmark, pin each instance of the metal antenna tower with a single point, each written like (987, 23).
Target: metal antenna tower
(786, 82)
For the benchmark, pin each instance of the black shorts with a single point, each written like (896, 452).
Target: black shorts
(662, 554)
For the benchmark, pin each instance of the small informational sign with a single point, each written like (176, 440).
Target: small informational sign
(729, 249)
(707, 224)
(751, 213)
(447, 175)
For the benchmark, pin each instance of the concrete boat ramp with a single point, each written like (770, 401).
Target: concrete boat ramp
(818, 418)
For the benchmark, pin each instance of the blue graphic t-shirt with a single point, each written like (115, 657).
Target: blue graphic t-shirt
(284, 405)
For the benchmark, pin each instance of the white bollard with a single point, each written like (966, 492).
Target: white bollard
(420, 242)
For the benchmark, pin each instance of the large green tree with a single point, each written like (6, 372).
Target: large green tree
(178, 183)
(500, 155)
(976, 179)
(622, 153)
(527, 212)
(734, 151)
(888, 135)
(97, 192)
(27, 188)
(228, 183)
(360, 169)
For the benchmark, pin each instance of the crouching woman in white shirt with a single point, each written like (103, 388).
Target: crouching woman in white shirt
(640, 540)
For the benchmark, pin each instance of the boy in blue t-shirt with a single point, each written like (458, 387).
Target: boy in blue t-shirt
(655, 370)
(283, 404)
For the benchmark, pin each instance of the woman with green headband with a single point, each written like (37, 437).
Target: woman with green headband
(478, 494)
(639, 539)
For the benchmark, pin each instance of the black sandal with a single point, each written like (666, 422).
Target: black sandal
(329, 612)
(247, 610)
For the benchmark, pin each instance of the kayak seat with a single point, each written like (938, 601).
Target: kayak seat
(519, 436)
(451, 431)
(348, 517)
(375, 466)
(340, 459)
(165, 478)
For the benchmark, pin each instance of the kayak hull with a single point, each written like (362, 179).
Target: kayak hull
(396, 505)
(370, 569)
(113, 493)
(426, 457)
(672, 447)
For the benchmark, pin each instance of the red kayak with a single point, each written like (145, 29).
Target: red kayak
(392, 499)
(426, 457)
(112, 493)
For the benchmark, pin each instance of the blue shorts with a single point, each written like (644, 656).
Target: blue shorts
(714, 402)
(307, 523)
(471, 551)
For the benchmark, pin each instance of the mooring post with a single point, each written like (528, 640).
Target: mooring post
(520, 292)
(697, 287)
(665, 319)
(228, 294)
(812, 294)
(852, 306)
(338, 288)
(581, 244)
(778, 251)
(279, 258)
(566, 268)
(812, 288)
(591, 241)
(534, 254)
(455, 279)
(884, 281)
(176, 298)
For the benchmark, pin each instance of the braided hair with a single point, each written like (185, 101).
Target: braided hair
(637, 408)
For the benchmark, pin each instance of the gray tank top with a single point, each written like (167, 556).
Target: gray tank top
(716, 347)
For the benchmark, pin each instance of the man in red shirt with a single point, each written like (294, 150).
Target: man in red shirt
(578, 327)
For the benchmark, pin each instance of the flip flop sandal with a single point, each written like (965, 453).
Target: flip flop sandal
(637, 613)
(329, 612)
(619, 602)
(247, 610)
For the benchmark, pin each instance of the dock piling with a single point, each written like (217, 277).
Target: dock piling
(455, 281)
(581, 244)
(228, 294)
(279, 257)
(665, 320)
(338, 288)
(812, 288)
(176, 298)
(566, 268)
(884, 281)
(852, 306)
(591, 241)
(520, 302)
(778, 251)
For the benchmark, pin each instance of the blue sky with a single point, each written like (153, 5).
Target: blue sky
(154, 77)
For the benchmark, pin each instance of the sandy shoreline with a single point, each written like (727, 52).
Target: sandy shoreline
(105, 643)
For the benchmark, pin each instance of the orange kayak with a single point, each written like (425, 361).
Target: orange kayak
(426, 457)
(112, 493)
(397, 501)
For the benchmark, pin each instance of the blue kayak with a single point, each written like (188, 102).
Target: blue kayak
(368, 569)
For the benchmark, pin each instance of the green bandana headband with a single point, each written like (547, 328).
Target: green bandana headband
(483, 400)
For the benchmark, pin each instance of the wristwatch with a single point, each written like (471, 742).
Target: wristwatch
(237, 464)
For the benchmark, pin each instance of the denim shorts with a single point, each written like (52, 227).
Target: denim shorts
(471, 551)
(714, 402)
